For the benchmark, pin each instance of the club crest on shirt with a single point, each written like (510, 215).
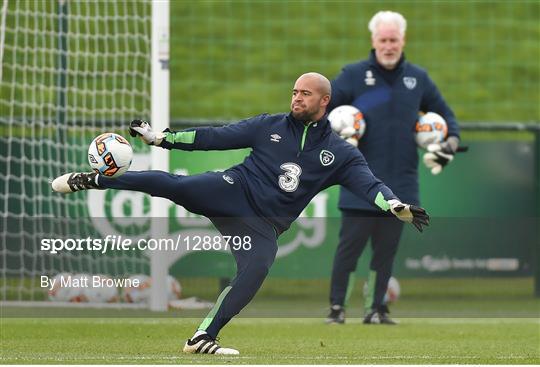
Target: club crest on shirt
(326, 157)
(370, 80)
(409, 81)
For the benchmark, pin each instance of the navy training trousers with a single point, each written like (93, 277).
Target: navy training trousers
(357, 227)
(220, 197)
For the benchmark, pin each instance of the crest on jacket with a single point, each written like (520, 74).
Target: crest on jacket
(327, 157)
(370, 80)
(409, 81)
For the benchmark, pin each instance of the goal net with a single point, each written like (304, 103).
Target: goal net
(70, 70)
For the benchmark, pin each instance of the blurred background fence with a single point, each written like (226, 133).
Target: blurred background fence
(231, 59)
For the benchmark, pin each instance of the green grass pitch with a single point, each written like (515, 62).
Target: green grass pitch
(273, 341)
(442, 321)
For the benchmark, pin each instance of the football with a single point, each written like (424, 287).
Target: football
(69, 287)
(138, 294)
(60, 293)
(348, 122)
(431, 128)
(110, 155)
(141, 294)
(104, 293)
(174, 289)
(392, 292)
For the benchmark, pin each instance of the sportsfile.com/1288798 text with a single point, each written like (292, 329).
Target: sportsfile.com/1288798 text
(122, 243)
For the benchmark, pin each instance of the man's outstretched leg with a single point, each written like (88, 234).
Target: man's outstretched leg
(155, 183)
(208, 194)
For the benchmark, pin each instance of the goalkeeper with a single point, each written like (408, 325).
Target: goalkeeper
(294, 156)
(390, 92)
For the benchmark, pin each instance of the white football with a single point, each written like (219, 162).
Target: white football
(431, 128)
(392, 292)
(110, 155)
(140, 294)
(348, 122)
(79, 282)
(174, 289)
(102, 291)
(59, 292)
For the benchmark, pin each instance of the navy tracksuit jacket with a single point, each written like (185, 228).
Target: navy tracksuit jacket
(390, 101)
(289, 164)
(260, 198)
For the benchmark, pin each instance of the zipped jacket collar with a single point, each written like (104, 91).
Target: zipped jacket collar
(311, 134)
(322, 123)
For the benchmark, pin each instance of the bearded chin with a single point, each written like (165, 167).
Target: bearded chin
(390, 63)
(305, 116)
(300, 116)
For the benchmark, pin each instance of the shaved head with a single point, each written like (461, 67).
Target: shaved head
(323, 84)
(311, 95)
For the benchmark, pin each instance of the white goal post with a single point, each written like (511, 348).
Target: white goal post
(160, 157)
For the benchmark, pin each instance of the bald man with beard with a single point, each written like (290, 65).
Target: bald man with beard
(294, 156)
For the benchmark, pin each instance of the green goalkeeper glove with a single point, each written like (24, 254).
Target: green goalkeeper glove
(410, 214)
(144, 131)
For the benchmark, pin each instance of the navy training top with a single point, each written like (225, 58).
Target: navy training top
(289, 164)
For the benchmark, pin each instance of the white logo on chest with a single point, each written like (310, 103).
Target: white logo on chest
(275, 138)
(370, 80)
(326, 157)
(409, 81)
(229, 179)
(290, 180)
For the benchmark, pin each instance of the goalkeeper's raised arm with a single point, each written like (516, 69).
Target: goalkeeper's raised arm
(234, 136)
(358, 178)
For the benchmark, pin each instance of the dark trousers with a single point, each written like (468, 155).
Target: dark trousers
(223, 201)
(357, 227)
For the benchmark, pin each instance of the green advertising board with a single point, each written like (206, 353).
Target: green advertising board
(483, 220)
